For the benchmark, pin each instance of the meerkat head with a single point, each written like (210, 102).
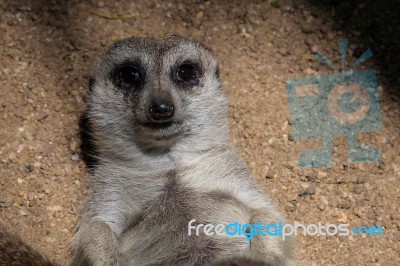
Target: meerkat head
(155, 94)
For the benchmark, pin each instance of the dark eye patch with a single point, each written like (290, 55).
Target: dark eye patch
(128, 77)
(187, 74)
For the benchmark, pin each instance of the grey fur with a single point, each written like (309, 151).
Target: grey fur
(148, 184)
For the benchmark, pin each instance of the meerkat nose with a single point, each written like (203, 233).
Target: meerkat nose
(161, 110)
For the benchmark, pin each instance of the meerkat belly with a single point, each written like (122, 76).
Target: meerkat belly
(163, 233)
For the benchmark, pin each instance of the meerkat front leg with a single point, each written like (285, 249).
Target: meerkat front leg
(266, 242)
(97, 245)
(275, 249)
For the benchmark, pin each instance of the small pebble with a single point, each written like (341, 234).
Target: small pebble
(322, 174)
(75, 157)
(362, 179)
(76, 169)
(311, 190)
(73, 146)
(283, 51)
(23, 211)
(68, 168)
(41, 116)
(358, 189)
(21, 147)
(314, 49)
(12, 156)
(309, 71)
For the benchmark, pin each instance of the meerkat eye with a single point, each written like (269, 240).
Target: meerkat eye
(129, 77)
(188, 73)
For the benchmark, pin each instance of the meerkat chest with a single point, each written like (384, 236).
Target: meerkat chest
(117, 200)
(167, 222)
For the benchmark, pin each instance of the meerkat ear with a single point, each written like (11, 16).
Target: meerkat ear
(88, 146)
(217, 73)
(91, 83)
(173, 36)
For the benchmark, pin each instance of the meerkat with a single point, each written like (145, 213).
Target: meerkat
(157, 123)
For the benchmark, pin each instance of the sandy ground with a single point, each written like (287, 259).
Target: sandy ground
(48, 47)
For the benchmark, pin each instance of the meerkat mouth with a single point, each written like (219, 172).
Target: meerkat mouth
(158, 126)
(161, 130)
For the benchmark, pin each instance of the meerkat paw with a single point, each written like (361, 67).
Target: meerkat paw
(96, 245)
